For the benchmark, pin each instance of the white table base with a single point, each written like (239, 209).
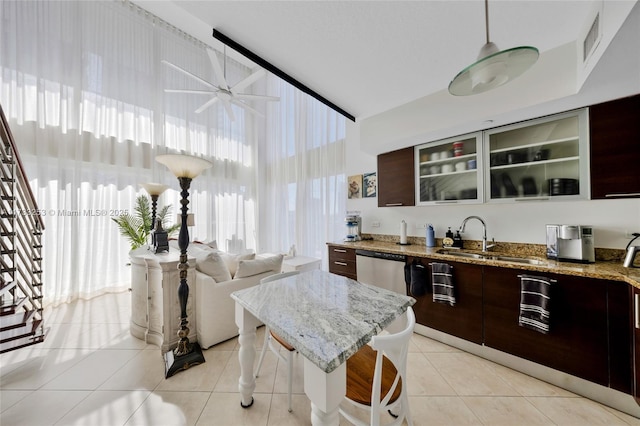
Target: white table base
(325, 390)
(247, 325)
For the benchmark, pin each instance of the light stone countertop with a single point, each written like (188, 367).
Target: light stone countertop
(326, 317)
(608, 270)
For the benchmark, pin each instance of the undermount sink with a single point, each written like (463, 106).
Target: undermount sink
(462, 254)
(516, 259)
(490, 256)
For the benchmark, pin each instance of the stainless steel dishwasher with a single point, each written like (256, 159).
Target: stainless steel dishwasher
(380, 269)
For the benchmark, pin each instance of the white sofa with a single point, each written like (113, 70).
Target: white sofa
(219, 274)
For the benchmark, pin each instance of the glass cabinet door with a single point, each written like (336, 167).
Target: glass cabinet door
(538, 160)
(448, 171)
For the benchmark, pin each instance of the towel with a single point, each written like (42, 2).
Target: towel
(442, 283)
(419, 279)
(535, 295)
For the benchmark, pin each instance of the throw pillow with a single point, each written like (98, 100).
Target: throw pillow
(233, 259)
(213, 265)
(248, 268)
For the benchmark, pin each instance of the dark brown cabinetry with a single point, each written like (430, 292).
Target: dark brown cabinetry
(636, 345)
(619, 308)
(587, 337)
(463, 320)
(396, 178)
(615, 148)
(342, 261)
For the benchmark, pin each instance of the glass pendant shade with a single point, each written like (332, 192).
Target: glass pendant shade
(184, 166)
(493, 67)
(154, 188)
(493, 70)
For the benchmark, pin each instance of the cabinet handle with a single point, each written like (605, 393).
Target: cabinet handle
(339, 251)
(393, 204)
(630, 194)
(637, 316)
(532, 199)
(340, 263)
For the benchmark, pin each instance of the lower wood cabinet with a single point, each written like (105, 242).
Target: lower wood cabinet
(620, 329)
(636, 345)
(464, 320)
(342, 261)
(582, 336)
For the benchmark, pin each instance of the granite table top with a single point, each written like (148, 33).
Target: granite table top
(607, 270)
(326, 317)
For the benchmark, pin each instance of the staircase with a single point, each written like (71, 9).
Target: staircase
(21, 226)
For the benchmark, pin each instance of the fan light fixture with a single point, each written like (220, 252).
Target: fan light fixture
(493, 67)
(227, 95)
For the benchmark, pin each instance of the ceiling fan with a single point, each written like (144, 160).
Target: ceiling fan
(222, 92)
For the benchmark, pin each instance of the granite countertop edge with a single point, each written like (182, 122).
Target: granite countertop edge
(607, 270)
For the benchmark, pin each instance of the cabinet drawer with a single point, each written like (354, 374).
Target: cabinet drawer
(343, 267)
(341, 253)
(342, 261)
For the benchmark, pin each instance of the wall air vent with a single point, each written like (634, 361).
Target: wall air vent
(591, 40)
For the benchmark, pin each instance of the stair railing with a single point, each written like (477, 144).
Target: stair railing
(21, 228)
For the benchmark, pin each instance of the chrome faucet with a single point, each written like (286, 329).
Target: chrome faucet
(485, 247)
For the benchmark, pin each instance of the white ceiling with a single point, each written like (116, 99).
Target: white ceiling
(369, 57)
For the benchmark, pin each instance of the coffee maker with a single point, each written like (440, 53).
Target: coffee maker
(570, 243)
(354, 228)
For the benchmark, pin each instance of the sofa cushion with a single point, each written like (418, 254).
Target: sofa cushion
(232, 260)
(248, 268)
(213, 264)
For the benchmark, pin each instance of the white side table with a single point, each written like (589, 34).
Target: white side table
(300, 263)
(155, 306)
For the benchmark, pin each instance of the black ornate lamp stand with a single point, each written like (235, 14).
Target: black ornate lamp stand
(186, 354)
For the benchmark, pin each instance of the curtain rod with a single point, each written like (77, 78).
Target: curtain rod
(273, 69)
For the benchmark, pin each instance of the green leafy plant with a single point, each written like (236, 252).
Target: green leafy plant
(135, 228)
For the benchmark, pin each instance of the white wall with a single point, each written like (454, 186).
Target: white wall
(616, 75)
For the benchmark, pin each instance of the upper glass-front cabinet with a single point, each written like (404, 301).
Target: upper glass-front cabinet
(540, 159)
(448, 171)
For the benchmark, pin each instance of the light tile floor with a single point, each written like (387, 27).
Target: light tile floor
(91, 371)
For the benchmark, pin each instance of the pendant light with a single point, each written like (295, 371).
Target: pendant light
(493, 67)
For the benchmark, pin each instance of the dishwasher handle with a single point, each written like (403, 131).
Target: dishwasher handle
(381, 255)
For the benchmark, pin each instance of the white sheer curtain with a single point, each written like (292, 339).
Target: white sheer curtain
(303, 192)
(82, 85)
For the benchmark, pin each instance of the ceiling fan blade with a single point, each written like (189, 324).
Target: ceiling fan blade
(207, 104)
(248, 108)
(227, 106)
(217, 70)
(255, 97)
(193, 92)
(257, 75)
(187, 73)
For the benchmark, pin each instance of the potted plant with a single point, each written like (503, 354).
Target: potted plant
(136, 228)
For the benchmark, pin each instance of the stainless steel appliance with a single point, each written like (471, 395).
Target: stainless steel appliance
(570, 243)
(632, 253)
(385, 270)
(354, 228)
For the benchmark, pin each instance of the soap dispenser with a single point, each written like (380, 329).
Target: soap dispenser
(431, 238)
(448, 238)
(457, 240)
